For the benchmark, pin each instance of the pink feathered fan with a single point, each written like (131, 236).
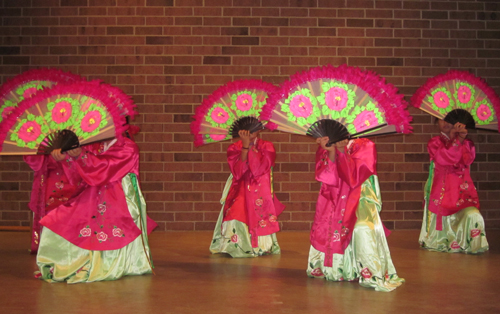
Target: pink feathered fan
(338, 102)
(232, 107)
(459, 96)
(65, 116)
(24, 85)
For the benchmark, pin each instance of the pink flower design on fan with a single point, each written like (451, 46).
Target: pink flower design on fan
(220, 115)
(61, 112)
(301, 106)
(365, 120)
(336, 98)
(464, 94)
(483, 112)
(91, 121)
(30, 131)
(217, 137)
(441, 99)
(244, 102)
(28, 92)
(6, 111)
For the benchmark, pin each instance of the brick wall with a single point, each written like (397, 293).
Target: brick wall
(170, 54)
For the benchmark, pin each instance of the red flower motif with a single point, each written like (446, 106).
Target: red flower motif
(28, 92)
(234, 238)
(29, 131)
(101, 236)
(259, 202)
(301, 106)
(454, 245)
(365, 120)
(220, 115)
(101, 208)
(91, 121)
(336, 98)
(117, 232)
(483, 112)
(60, 185)
(244, 102)
(263, 223)
(366, 273)
(62, 112)
(441, 99)
(6, 111)
(217, 137)
(475, 232)
(85, 232)
(317, 272)
(336, 237)
(273, 218)
(464, 94)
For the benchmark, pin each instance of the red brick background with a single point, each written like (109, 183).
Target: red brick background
(170, 54)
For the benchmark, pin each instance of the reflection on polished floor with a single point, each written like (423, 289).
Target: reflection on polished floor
(190, 280)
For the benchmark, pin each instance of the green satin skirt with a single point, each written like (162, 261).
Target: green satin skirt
(462, 232)
(367, 258)
(59, 260)
(232, 237)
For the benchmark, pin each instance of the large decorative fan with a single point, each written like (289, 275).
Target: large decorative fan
(232, 107)
(338, 102)
(24, 85)
(65, 117)
(459, 96)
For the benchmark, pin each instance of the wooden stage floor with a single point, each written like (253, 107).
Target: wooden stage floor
(190, 280)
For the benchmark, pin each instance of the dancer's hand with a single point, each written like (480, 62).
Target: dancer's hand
(459, 131)
(57, 155)
(245, 137)
(341, 144)
(323, 141)
(75, 152)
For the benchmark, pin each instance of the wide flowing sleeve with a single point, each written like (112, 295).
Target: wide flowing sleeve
(357, 166)
(35, 161)
(452, 154)
(326, 170)
(262, 159)
(110, 166)
(238, 168)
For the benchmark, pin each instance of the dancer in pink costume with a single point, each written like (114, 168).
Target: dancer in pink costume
(452, 221)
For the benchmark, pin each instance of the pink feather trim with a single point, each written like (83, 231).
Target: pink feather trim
(465, 76)
(43, 74)
(231, 87)
(91, 89)
(386, 95)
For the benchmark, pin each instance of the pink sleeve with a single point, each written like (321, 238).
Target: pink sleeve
(238, 167)
(356, 167)
(110, 166)
(36, 161)
(71, 171)
(326, 170)
(453, 154)
(260, 162)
